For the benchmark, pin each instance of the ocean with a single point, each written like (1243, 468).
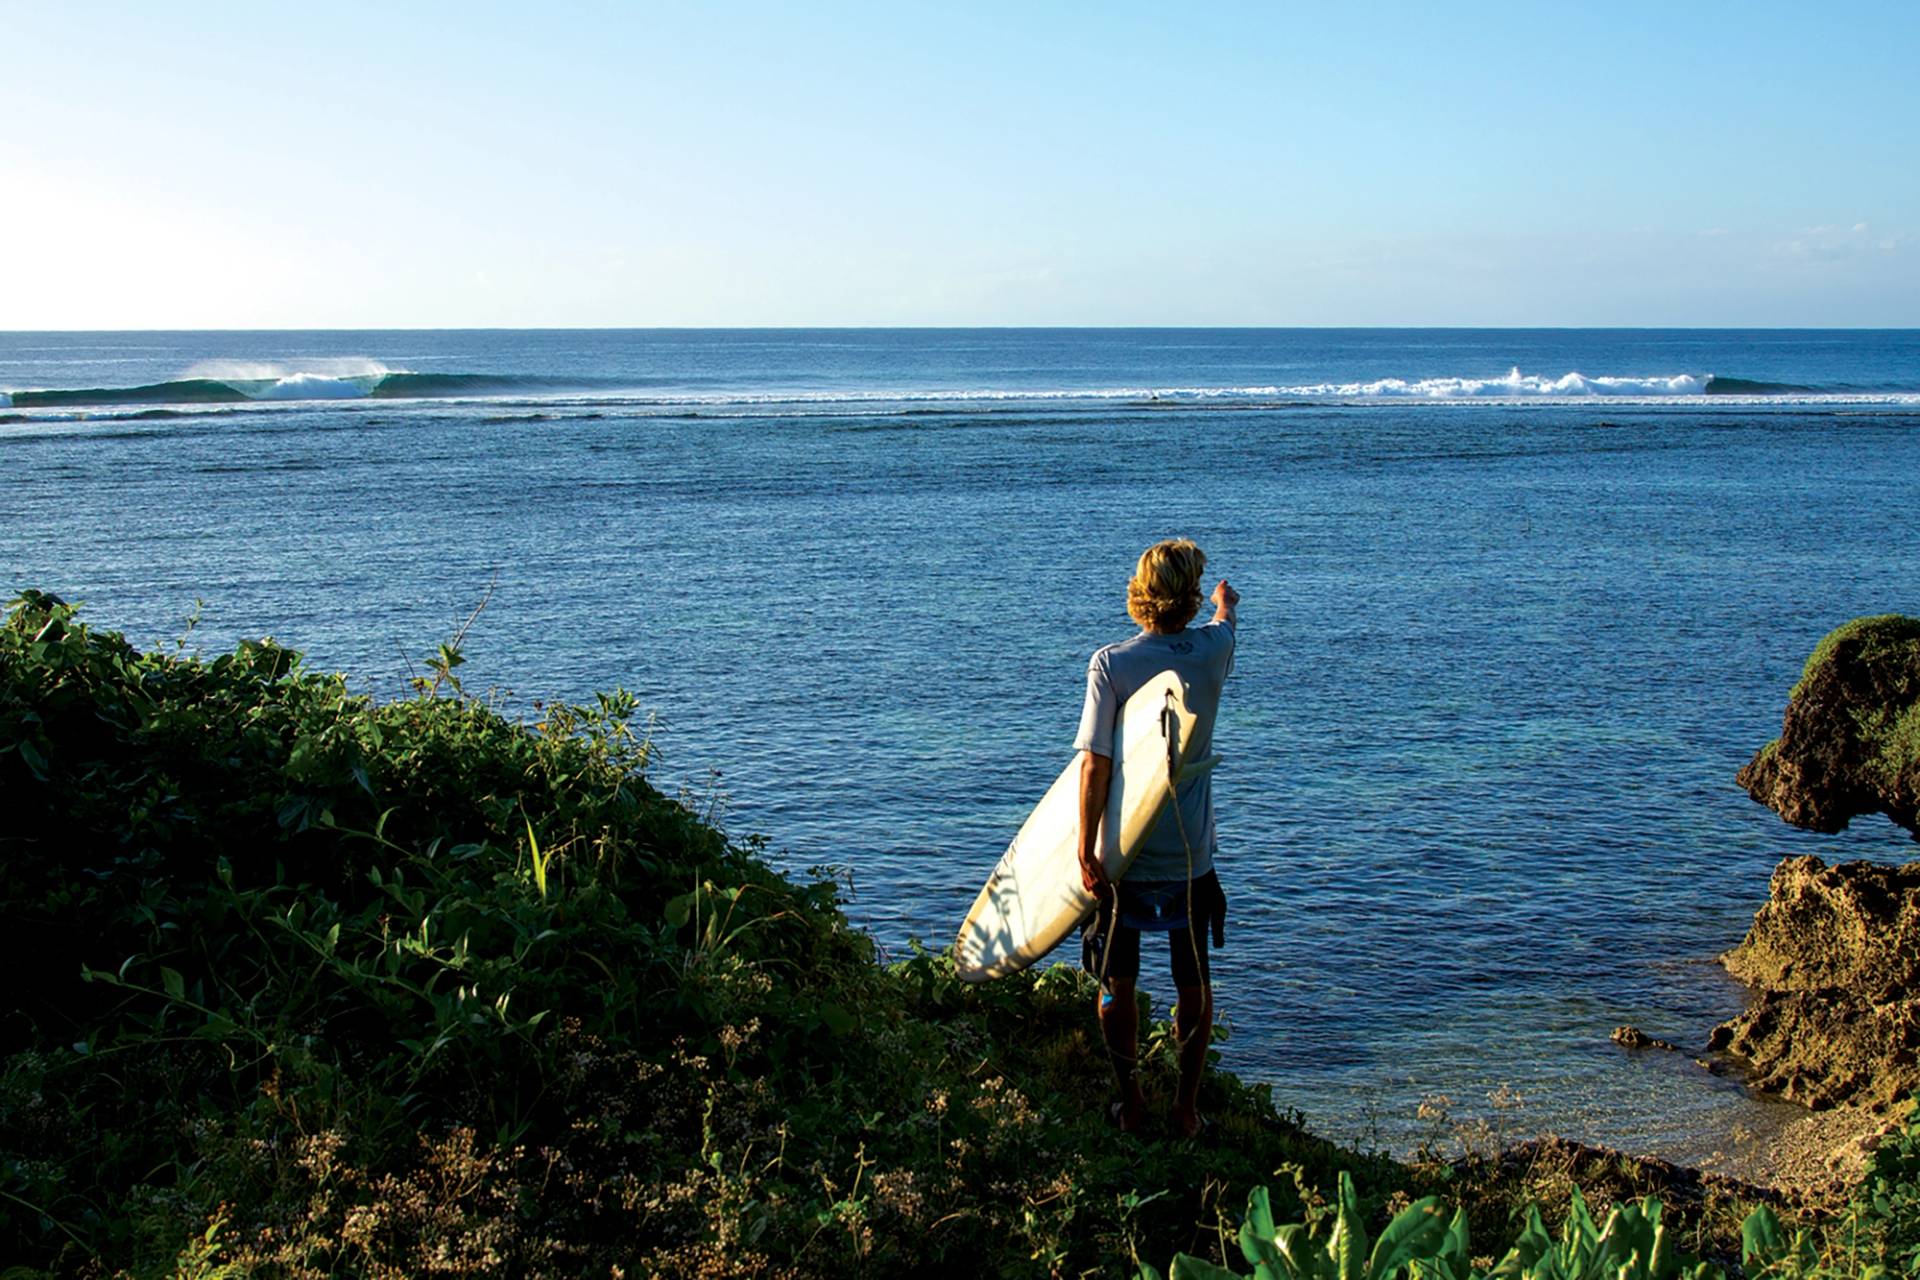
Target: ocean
(1517, 604)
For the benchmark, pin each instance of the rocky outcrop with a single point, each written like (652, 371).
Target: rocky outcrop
(1632, 1037)
(1541, 1167)
(1854, 925)
(1850, 744)
(1834, 957)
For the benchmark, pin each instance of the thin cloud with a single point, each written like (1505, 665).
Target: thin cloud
(1831, 242)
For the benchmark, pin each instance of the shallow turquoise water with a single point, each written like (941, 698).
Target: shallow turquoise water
(1502, 650)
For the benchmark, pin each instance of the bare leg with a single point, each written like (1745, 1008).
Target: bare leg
(1120, 1027)
(1193, 1023)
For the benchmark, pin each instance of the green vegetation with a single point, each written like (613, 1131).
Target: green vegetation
(1890, 724)
(1888, 727)
(1879, 638)
(1849, 744)
(1877, 1238)
(310, 985)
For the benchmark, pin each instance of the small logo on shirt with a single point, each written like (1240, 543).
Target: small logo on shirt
(1180, 646)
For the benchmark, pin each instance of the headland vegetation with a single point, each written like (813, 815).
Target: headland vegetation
(308, 984)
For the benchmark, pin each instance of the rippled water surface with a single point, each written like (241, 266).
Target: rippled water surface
(1504, 643)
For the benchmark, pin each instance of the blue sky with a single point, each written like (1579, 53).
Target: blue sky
(400, 165)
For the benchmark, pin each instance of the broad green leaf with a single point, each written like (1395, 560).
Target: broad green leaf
(1297, 1251)
(1660, 1256)
(1417, 1231)
(175, 984)
(1256, 1233)
(1579, 1228)
(1616, 1240)
(680, 910)
(1760, 1238)
(1188, 1267)
(1262, 1251)
(1533, 1245)
(1260, 1212)
(1348, 1247)
(1455, 1249)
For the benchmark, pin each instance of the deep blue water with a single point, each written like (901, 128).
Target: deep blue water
(1506, 634)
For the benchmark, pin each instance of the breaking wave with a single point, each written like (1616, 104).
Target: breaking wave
(1514, 386)
(1518, 385)
(231, 382)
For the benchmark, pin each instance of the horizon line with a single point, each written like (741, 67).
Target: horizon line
(990, 328)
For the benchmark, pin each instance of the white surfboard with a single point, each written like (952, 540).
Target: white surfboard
(1035, 898)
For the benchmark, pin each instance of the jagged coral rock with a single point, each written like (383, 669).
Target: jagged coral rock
(1850, 743)
(1854, 925)
(1834, 956)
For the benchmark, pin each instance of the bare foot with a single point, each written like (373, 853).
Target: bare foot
(1129, 1115)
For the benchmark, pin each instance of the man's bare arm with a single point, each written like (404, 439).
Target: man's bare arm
(1096, 776)
(1225, 602)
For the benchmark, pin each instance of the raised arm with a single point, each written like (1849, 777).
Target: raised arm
(1225, 601)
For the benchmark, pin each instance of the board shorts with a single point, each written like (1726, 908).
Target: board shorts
(1156, 906)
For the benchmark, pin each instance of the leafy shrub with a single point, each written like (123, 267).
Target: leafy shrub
(1423, 1244)
(406, 988)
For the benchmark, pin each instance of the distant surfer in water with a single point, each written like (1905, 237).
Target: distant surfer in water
(1170, 887)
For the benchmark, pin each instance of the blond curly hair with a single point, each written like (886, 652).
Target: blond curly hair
(1164, 593)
